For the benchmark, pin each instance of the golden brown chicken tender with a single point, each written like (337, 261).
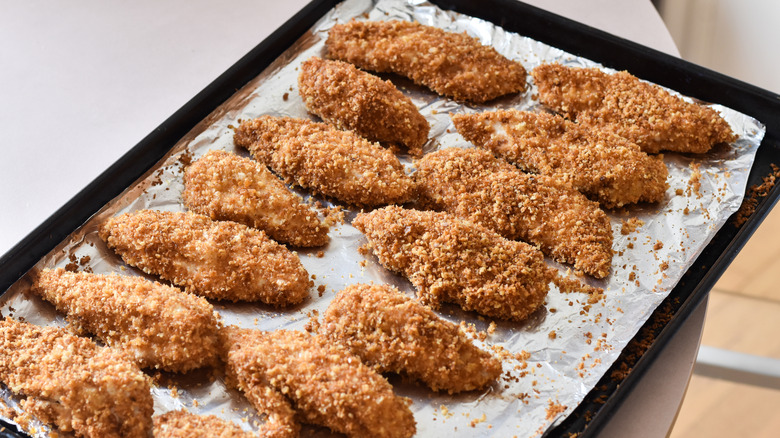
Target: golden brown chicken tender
(326, 160)
(475, 185)
(452, 260)
(225, 186)
(71, 382)
(219, 260)
(280, 416)
(352, 99)
(327, 385)
(158, 326)
(605, 167)
(621, 104)
(394, 333)
(182, 424)
(451, 64)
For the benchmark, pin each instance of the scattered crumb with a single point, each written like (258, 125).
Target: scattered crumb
(695, 181)
(321, 290)
(476, 421)
(753, 195)
(658, 245)
(630, 225)
(313, 325)
(552, 335)
(553, 409)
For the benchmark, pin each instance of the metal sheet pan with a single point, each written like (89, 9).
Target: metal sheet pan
(683, 297)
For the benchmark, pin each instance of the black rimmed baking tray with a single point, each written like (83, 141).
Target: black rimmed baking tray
(525, 20)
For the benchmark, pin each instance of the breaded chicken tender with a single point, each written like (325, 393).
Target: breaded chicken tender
(280, 417)
(225, 186)
(352, 99)
(327, 385)
(621, 104)
(451, 64)
(326, 160)
(182, 424)
(73, 383)
(452, 260)
(217, 260)
(158, 326)
(605, 167)
(394, 333)
(475, 185)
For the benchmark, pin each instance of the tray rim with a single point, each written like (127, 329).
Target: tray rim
(514, 16)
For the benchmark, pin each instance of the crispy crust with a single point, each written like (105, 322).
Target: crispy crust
(351, 99)
(158, 326)
(452, 260)
(182, 424)
(225, 186)
(73, 383)
(280, 416)
(621, 104)
(394, 333)
(603, 166)
(327, 385)
(326, 160)
(219, 260)
(475, 185)
(451, 64)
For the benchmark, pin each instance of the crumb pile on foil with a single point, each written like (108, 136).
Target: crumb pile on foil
(547, 352)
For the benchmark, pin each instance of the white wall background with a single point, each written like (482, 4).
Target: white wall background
(740, 38)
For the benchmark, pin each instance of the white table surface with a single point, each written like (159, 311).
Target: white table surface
(82, 81)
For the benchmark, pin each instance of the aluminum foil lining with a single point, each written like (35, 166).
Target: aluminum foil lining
(552, 360)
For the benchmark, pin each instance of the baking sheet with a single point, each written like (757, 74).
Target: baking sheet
(548, 377)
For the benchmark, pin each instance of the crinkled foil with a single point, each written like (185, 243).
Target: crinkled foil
(560, 352)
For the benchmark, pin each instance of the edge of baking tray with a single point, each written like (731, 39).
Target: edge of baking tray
(526, 20)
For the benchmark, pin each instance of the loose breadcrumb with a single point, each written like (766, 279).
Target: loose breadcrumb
(452, 260)
(630, 225)
(451, 64)
(323, 159)
(622, 104)
(753, 195)
(327, 385)
(159, 326)
(352, 99)
(219, 260)
(474, 185)
(394, 333)
(603, 166)
(225, 186)
(73, 383)
(182, 424)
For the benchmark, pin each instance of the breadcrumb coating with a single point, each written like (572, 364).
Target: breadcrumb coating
(603, 166)
(158, 326)
(327, 385)
(326, 160)
(352, 99)
(394, 333)
(452, 260)
(475, 185)
(71, 382)
(217, 260)
(280, 421)
(182, 424)
(451, 64)
(621, 104)
(225, 186)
